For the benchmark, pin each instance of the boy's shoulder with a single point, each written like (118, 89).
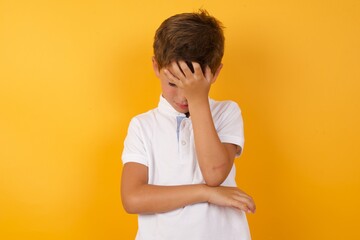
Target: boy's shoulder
(144, 115)
(223, 106)
(145, 119)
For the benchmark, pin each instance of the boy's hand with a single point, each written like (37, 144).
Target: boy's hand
(195, 85)
(231, 197)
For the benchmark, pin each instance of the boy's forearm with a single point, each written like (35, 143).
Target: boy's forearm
(214, 160)
(151, 199)
(148, 199)
(139, 197)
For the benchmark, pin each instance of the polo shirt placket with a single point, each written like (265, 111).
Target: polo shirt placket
(185, 141)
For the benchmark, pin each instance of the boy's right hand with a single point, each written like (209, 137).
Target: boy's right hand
(231, 197)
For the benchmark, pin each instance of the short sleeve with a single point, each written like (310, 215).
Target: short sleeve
(134, 146)
(231, 127)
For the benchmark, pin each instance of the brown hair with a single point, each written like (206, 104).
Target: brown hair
(196, 37)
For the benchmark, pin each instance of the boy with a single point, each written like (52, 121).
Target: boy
(179, 173)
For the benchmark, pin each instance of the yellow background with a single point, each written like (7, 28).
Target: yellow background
(73, 73)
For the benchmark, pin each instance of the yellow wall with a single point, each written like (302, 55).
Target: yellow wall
(73, 73)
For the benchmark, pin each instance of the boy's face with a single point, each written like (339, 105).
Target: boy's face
(173, 94)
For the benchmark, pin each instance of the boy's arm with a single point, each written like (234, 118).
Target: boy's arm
(215, 158)
(142, 198)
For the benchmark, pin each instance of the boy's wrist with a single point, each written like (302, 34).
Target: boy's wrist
(205, 192)
(198, 103)
(197, 97)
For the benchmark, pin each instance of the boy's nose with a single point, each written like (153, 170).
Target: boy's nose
(181, 97)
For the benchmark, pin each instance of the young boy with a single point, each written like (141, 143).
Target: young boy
(179, 173)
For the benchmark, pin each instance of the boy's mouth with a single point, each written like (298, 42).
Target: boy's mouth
(182, 106)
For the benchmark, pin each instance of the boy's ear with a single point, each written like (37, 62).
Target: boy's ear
(216, 73)
(155, 66)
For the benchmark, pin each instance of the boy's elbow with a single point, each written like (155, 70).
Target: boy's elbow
(213, 182)
(129, 209)
(216, 176)
(130, 204)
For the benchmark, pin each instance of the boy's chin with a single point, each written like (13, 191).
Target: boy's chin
(182, 109)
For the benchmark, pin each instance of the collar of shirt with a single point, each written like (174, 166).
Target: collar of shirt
(165, 108)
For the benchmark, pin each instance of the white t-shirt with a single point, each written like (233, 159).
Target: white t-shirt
(163, 140)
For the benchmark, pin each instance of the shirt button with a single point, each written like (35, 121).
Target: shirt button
(183, 142)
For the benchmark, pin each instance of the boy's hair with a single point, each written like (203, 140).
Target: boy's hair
(196, 37)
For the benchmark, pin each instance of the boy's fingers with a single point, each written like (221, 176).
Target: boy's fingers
(245, 207)
(185, 69)
(177, 71)
(241, 206)
(173, 79)
(208, 74)
(197, 69)
(247, 200)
